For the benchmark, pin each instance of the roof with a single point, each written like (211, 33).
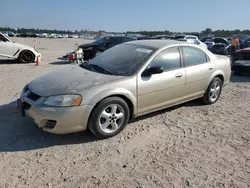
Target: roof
(156, 43)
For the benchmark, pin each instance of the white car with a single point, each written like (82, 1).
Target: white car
(23, 53)
(191, 37)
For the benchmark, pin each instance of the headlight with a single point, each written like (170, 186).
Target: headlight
(63, 100)
(24, 90)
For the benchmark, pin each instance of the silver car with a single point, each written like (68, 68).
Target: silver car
(126, 81)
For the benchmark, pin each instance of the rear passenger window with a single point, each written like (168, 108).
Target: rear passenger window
(193, 56)
(168, 59)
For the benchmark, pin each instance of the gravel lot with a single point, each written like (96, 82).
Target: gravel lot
(191, 145)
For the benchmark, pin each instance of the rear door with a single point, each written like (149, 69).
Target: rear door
(198, 70)
(6, 47)
(161, 90)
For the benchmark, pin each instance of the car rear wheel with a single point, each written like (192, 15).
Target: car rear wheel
(26, 57)
(109, 117)
(213, 91)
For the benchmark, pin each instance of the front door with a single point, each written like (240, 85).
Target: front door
(161, 90)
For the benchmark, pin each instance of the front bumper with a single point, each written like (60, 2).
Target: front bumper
(56, 120)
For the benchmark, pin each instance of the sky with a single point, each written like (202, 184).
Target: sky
(126, 15)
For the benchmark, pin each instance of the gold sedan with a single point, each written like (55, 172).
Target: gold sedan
(126, 81)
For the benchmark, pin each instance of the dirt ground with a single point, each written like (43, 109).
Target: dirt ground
(191, 145)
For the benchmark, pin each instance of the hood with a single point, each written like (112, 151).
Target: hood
(71, 79)
(220, 40)
(89, 45)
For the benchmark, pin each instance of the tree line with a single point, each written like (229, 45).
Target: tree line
(206, 32)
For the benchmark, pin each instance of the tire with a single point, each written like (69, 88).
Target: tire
(104, 123)
(213, 91)
(26, 57)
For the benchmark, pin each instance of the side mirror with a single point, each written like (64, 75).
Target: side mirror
(152, 70)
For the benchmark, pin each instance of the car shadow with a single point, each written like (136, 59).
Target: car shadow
(9, 61)
(242, 78)
(21, 134)
(60, 63)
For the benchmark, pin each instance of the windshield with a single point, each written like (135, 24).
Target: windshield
(102, 40)
(121, 60)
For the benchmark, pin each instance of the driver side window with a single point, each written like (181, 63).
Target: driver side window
(168, 59)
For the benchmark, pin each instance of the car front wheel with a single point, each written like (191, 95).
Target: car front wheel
(26, 57)
(213, 91)
(109, 117)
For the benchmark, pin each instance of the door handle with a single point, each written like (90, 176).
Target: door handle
(179, 75)
(210, 68)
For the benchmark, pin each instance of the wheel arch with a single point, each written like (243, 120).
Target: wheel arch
(122, 96)
(27, 50)
(218, 74)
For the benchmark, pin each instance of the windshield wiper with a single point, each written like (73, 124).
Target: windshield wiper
(101, 69)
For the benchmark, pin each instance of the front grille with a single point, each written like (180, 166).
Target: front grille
(33, 96)
(51, 124)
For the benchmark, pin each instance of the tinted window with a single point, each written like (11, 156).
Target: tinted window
(196, 42)
(126, 39)
(167, 59)
(116, 40)
(193, 56)
(103, 40)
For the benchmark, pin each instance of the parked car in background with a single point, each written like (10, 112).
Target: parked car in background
(28, 34)
(194, 41)
(11, 34)
(241, 62)
(221, 46)
(245, 43)
(160, 37)
(65, 36)
(209, 42)
(53, 35)
(176, 37)
(43, 35)
(59, 36)
(218, 48)
(95, 48)
(229, 40)
(191, 37)
(23, 53)
(124, 82)
(143, 37)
